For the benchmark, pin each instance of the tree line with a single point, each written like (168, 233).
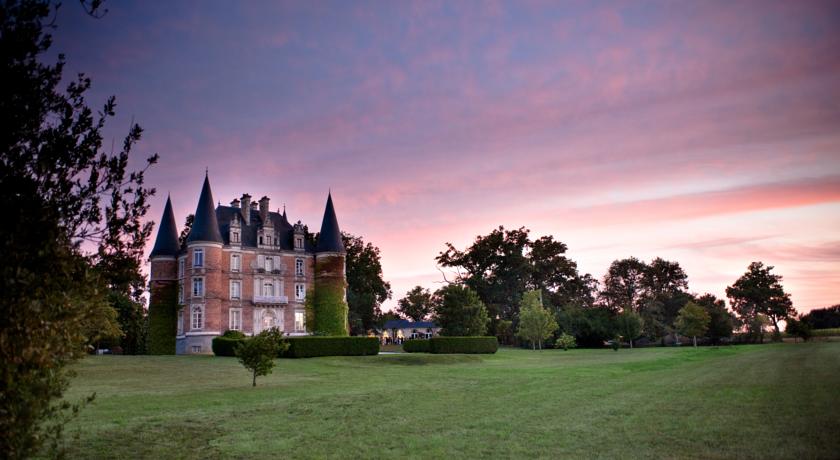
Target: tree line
(635, 301)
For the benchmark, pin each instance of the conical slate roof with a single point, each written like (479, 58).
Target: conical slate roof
(330, 238)
(205, 226)
(166, 243)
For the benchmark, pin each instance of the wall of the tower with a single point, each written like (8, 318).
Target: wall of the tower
(204, 287)
(163, 306)
(329, 302)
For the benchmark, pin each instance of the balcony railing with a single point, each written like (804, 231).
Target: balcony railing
(272, 299)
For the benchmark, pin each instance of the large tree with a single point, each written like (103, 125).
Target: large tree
(60, 192)
(504, 264)
(460, 312)
(721, 320)
(417, 304)
(624, 285)
(823, 318)
(656, 291)
(366, 288)
(758, 291)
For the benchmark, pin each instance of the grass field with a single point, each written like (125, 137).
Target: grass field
(770, 401)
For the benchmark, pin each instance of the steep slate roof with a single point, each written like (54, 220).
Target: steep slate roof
(166, 243)
(225, 215)
(330, 238)
(406, 324)
(205, 226)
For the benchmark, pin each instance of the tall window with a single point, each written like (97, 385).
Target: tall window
(181, 268)
(197, 321)
(269, 264)
(198, 257)
(198, 287)
(235, 289)
(268, 289)
(235, 319)
(235, 262)
(299, 267)
(300, 321)
(269, 320)
(180, 292)
(300, 291)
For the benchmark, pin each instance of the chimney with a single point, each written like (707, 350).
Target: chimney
(246, 208)
(235, 203)
(264, 209)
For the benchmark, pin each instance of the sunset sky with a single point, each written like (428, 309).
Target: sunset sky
(702, 132)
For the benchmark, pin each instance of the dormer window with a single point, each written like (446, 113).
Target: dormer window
(298, 242)
(261, 240)
(234, 237)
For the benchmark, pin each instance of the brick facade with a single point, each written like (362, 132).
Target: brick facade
(267, 275)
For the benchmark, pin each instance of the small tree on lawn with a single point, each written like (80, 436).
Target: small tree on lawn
(629, 325)
(566, 341)
(798, 329)
(693, 320)
(257, 354)
(535, 322)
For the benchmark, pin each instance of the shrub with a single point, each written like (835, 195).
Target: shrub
(234, 334)
(310, 347)
(443, 345)
(565, 341)
(226, 346)
(417, 346)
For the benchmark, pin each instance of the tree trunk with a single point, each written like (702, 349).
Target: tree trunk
(695, 341)
(254, 382)
(631, 343)
(533, 345)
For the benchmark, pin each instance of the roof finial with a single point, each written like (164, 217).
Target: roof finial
(206, 171)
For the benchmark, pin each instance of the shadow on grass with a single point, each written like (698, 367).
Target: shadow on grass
(422, 359)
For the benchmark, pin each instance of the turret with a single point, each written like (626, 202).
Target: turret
(330, 279)
(205, 226)
(203, 283)
(163, 281)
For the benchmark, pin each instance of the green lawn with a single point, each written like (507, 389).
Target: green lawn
(771, 401)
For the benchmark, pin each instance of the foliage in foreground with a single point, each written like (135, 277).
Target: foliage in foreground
(58, 189)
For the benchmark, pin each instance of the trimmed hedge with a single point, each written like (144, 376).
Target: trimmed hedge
(831, 332)
(313, 346)
(444, 345)
(226, 346)
(416, 346)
